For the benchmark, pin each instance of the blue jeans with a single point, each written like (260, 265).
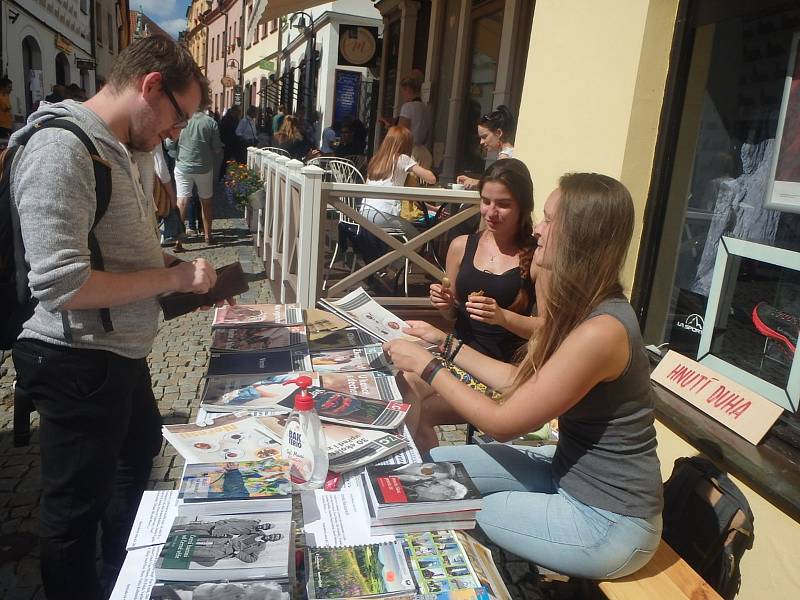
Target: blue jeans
(527, 514)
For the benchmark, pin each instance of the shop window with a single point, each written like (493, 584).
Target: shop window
(741, 94)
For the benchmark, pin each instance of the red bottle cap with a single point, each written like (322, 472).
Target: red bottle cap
(302, 400)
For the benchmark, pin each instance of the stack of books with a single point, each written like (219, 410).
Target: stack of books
(420, 497)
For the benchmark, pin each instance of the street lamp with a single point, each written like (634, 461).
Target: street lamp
(311, 70)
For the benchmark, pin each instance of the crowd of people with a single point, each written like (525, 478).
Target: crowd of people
(529, 306)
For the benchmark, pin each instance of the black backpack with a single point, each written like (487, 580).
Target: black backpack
(708, 522)
(14, 291)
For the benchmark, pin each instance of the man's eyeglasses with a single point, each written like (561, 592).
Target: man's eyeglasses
(182, 118)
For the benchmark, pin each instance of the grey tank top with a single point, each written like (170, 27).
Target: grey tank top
(606, 454)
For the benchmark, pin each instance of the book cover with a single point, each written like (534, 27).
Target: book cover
(254, 392)
(358, 571)
(241, 315)
(241, 547)
(348, 447)
(348, 409)
(322, 322)
(359, 309)
(229, 590)
(421, 488)
(256, 338)
(366, 358)
(264, 480)
(438, 562)
(482, 561)
(230, 283)
(230, 438)
(282, 360)
(368, 384)
(341, 339)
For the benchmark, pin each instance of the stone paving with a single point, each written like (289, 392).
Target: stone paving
(177, 362)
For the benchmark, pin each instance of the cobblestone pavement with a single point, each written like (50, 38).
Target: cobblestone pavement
(177, 363)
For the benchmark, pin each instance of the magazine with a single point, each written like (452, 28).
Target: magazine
(255, 392)
(136, 578)
(348, 447)
(241, 315)
(238, 547)
(230, 438)
(482, 561)
(368, 384)
(250, 339)
(282, 360)
(375, 570)
(341, 339)
(420, 488)
(361, 310)
(322, 322)
(367, 358)
(233, 590)
(438, 561)
(347, 409)
(235, 487)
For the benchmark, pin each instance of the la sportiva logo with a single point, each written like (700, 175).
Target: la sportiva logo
(693, 323)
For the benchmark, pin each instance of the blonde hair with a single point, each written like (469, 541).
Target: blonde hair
(398, 141)
(593, 225)
(289, 131)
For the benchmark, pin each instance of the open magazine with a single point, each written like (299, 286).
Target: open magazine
(264, 315)
(348, 447)
(230, 438)
(322, 322)
(359, 309)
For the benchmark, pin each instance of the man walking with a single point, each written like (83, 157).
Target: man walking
(81, 357)
(199, 150)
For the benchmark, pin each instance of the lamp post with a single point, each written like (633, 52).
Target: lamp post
(310, 70)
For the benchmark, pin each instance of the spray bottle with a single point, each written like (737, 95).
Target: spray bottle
(304, 444)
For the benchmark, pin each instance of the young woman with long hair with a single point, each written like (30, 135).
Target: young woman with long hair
(590, 506)
(290, 137)
(491, 293)
(495, 132)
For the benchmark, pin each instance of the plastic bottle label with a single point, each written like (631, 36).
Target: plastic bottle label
(299, 455)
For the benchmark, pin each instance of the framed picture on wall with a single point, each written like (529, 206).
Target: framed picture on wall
(751, 322)
(784, 189)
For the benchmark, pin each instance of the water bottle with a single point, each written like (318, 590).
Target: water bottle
(304, 444)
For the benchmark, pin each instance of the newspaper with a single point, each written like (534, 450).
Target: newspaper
(137, 576)
(157, 510)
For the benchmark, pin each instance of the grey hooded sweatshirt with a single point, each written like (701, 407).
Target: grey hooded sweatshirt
(53, 187)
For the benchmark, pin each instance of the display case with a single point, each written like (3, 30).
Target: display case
(752, 319)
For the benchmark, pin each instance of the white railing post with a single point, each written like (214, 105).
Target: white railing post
(311, 252)
(267, 165)
(289, 233)
(279, 182)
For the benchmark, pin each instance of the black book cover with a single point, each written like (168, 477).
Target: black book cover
(276, 361)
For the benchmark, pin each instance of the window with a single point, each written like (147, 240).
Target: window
(274, 25)
(85, 6)
(110, 30)
(256, 34)
(729, 149)
(98, 22)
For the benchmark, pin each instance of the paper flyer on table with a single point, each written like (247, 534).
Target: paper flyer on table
(157, 510)
(337, 519)
(137, 576)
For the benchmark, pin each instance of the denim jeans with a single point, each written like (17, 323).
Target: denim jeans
(172, 226)
(527, 514)
(99, 430)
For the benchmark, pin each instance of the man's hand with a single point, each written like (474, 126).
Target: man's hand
(197, 276)
(485, 310)
(425, 331)
(407, 356)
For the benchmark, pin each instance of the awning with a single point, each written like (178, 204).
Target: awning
(266, 10)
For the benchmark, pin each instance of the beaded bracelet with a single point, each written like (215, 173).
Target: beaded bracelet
(447, 346)
(430, 370)
(457, 348)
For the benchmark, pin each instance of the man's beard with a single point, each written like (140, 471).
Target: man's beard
(142, 127)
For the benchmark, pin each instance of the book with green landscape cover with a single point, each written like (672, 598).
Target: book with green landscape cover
(373, 571)
(254, 339)
(235, 487)
(234, 547)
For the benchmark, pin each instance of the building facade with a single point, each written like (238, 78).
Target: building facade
(107, 29)
(261, 60)
(225, 53)
(196, 35)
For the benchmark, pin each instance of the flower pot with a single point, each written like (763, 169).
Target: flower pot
(255, 205)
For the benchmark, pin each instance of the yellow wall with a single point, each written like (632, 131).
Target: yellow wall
(770, 568)
(594, 88)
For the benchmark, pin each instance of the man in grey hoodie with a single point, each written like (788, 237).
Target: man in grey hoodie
(99, 421)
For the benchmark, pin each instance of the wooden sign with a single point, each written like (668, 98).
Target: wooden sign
(738, 408)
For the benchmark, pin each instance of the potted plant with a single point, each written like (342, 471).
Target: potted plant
(245, 190)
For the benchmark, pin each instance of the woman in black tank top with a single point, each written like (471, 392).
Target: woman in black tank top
(591, 506)
(493, 295)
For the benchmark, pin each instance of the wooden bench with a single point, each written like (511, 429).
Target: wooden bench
(666, 576)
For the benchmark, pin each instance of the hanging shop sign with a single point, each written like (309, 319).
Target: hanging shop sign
(347, 95)
(63, 44)
(227, 81)
(85, 64)
(738, 408)
(358, 46)
(267, 65)
(237, 94)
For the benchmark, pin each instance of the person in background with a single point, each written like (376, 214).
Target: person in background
(291, 138)
(495, 131)
(589, 507)
(198, 149)
(247, 132)
(277, 120)
(227, 132)
(74, 92)
(82, 357)
(58, 94)
(415, 115)
(6, 118)
(330, 139)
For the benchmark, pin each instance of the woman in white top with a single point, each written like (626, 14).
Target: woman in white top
(494, 131)
(389, 167)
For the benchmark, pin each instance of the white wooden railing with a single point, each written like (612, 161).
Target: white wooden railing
(293, 219)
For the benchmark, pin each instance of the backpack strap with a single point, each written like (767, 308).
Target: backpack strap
(102, 182)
